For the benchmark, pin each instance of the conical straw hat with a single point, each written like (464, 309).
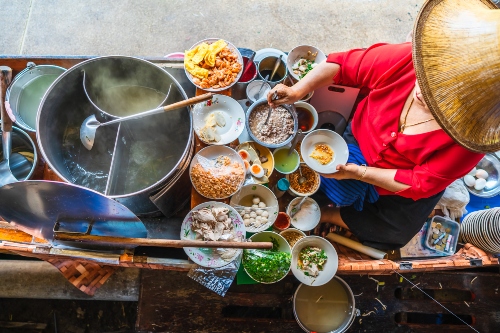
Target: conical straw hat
(456, 55)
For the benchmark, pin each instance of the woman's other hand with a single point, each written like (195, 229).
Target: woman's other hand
(347, 171)
(285, 95)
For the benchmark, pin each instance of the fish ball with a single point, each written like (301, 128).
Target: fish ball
(480, 173)
(255, 200)
(264, 220)
(262, 204)
(480, 184)
(259, 212)
(258, 219)
(247, 222)
(255, 206)
(248, 210)
(469, 180)
(252, 220)
(253, 214)
(265, 214)
(246, 216)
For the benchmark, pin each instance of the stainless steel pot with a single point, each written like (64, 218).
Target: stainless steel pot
(26, 91)
(131, 161)
(349, 312)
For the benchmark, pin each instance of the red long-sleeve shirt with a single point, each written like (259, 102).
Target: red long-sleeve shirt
(428, 162)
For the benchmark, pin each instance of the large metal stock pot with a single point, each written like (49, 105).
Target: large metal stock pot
(130, 161)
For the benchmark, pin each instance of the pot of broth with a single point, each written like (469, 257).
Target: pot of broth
(329, 308)
(130, 161)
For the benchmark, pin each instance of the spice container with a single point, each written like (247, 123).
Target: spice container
(442, 235)
(280, 188)
(282, 221)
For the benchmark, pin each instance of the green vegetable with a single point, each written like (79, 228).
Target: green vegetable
(266, 266)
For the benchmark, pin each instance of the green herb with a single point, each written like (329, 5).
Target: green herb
(276, 244)
(266, 266)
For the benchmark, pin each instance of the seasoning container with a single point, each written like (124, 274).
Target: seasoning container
(281, 187)
(282, 221)
(442, 235)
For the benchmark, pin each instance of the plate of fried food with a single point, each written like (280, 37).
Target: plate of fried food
(213, 64)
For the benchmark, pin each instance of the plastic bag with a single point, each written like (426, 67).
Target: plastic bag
(218, 279)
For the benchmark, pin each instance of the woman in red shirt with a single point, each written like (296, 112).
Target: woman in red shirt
(409, 159)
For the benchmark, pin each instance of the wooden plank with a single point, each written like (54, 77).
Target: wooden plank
(168, 298)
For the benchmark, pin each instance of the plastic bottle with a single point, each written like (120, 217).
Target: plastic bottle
(281, 187)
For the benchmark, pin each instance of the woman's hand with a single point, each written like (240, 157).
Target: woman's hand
(286, 95)
(348, 171)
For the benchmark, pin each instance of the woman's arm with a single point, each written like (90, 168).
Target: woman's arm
(322, 75)
(383, 178)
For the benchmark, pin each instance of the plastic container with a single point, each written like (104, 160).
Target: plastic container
(442, 235)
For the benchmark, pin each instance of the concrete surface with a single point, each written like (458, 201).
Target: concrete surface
(41, 280)
(158, 27)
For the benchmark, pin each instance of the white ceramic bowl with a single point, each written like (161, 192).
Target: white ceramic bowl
(232, 112)
(302, 52)
(232, 48)
(254, 87)
(266, 236)
(209, 155)
(263, 193)
(291, 231)
(276, 165)
(312, 110)
(209, 257)
(296, 193)
(330, 267)
(303, 224)
(332, 139)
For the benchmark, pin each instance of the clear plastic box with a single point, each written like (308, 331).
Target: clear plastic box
(442, 235)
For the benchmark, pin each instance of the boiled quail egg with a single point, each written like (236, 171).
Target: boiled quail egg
(244, 155)
(257, 170)
(480, 173)
(480, 184)
(469, 180)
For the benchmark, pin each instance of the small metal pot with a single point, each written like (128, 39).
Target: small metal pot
(350, 315)
(23, 145)
(26, 91)
(266, 66)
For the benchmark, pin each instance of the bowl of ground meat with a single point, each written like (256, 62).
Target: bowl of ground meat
(279, 130)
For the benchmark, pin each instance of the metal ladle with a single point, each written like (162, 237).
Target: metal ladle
(302, 179)
(91, 124)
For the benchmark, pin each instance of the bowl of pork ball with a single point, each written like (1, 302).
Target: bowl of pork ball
(280, 128)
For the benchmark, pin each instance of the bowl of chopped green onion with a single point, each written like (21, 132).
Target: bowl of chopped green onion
(268, 266)
(314, 260)
(303, 59)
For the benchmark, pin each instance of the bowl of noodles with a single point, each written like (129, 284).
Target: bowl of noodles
(213, 64)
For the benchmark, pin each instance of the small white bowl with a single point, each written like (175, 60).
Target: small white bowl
(313, 112)
(276, 163)
(295, 193)
(332, 139)
(302, 52)
(303, 224)
(330, 267)
(254, 87)
(266, 195)
(292, 231)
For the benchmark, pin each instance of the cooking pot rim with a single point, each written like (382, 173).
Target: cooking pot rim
(83, 63)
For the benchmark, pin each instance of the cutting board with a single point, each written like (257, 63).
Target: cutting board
(336, 98)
